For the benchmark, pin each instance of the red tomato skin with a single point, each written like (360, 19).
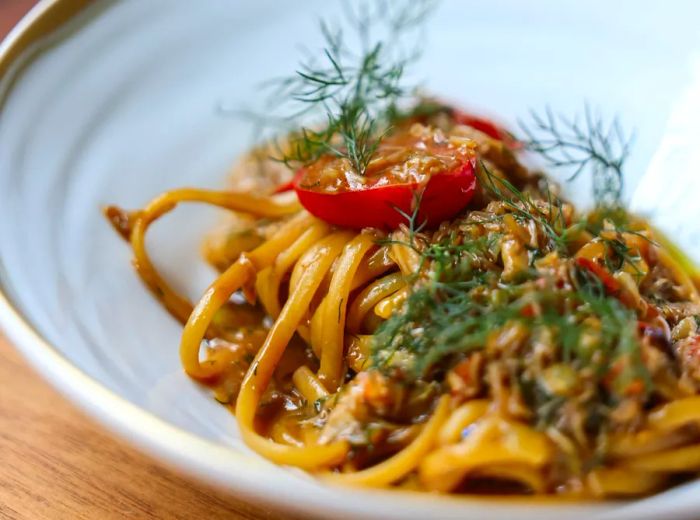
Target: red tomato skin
(445, 195)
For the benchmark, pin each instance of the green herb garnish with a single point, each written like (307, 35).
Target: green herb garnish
(356, 87)
(459, 300)
(548, 217)
(592, 145)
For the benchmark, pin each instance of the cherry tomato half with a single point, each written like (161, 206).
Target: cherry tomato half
(413, 165)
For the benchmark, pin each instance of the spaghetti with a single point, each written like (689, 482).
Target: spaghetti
(517, 347)
(402, 302)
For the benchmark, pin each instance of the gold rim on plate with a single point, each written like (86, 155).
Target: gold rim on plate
(43, 19)
(24, 41)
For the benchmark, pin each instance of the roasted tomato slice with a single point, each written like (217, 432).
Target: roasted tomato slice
(415, 163)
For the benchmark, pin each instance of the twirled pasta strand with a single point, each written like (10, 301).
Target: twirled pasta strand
(314, 266)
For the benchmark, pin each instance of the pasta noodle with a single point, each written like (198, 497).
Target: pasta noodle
(406, 460)
(370, 297)
(514, 347)
(493, 442)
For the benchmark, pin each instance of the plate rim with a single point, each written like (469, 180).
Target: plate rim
(128, 421)
(208, 461)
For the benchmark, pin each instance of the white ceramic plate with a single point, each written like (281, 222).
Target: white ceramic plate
(123, 104)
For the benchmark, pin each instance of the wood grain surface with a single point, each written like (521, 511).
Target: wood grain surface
(55, 463)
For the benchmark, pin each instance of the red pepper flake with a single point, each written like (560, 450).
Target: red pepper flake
(528, 311)
(611, 285)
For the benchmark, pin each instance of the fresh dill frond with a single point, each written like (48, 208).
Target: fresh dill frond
(619, 255)
(355, 85)
(437, 320)
(460, 300)
(550, 220)
(412, 226)
(593, 145)
(618, 327)
(415, 225)
(454, 315)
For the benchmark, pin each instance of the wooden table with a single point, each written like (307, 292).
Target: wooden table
(55, 463)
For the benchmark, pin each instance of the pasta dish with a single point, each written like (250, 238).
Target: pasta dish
(404, 300)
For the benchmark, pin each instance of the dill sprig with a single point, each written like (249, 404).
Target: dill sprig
(454, 315)
(618, 327)
(357, 91)
(438, 318)
(591, 145)
(550, 220)
(620, 254)
(460, 300)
